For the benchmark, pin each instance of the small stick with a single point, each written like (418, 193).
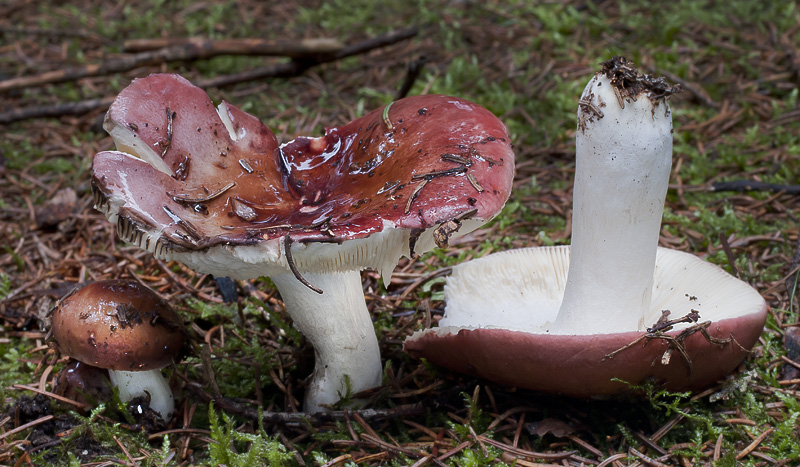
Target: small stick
(474, 183)
(696, 90)
(370, 439)
(54, 110)
(524, 453)
(246, 166)
(316, 225)
(439, 173)
(125, 451)
(187, 226)
(287, 247)
(202, 199)
(718, 448)
(414, 195)
(183, 52)
(52, 395)
(400, 412)
(285, 69)
(297, 67)
(790, 283)
(664, 324)
(457, 159)
(657, 331)
(726, 247)
(412, 73)
(612, 459)
(589, 106)
(754, 444)
(584, 445)
(294, 48)
(26, 426)
(751, 185)
(624, 347)
(647, 460)
(266, 229)
(170, 116)
(620, 100)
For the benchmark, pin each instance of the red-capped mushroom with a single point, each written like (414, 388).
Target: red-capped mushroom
(125, 328)
(211, 187)
(611, 308)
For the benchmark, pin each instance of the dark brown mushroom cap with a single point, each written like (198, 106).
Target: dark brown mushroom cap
(422, 161)
(576, 365)
(83, 383)
(117, 325)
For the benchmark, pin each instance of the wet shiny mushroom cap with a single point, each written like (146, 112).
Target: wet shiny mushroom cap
(83, 383)
(188, 176)
(117, 325)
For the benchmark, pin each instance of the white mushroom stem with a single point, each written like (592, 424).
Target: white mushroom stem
(624, 154)
(149, 383)
(338, 325)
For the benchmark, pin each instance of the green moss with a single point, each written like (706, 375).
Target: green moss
(15, 365)
(234, 447)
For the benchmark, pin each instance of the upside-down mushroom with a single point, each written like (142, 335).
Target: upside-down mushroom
(212, 188)
(612, 308)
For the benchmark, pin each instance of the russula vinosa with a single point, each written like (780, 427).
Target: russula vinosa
(125, 328)
(612, 308)
(212, 188)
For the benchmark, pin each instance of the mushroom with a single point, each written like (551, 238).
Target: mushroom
(125, 328)
(213, 189)
(83, 383)
(613, 308)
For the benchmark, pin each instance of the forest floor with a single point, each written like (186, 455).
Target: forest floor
(737, 120)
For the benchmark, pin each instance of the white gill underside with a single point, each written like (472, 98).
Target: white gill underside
(380, 251)
(522, 290)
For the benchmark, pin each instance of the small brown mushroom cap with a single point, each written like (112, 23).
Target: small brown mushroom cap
(117, 325)
(83, 383)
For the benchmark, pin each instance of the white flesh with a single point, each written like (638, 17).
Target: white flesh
(622, 171)
(338, 325)
(132, 384)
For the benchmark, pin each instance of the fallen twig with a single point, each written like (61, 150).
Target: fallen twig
(247, 46)
(276, 70)
(192, 50)
(694, 89)
(754, 444)
(749, 185)
(726, 247)
(659, 331)
(791, 280)
(647, 460)
(303, 418)
(26, 426)
(287, 252)
(525, 453)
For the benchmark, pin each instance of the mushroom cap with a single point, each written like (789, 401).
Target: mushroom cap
(83, 383)
(497, 329)
(117, 325)
(188, 178)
